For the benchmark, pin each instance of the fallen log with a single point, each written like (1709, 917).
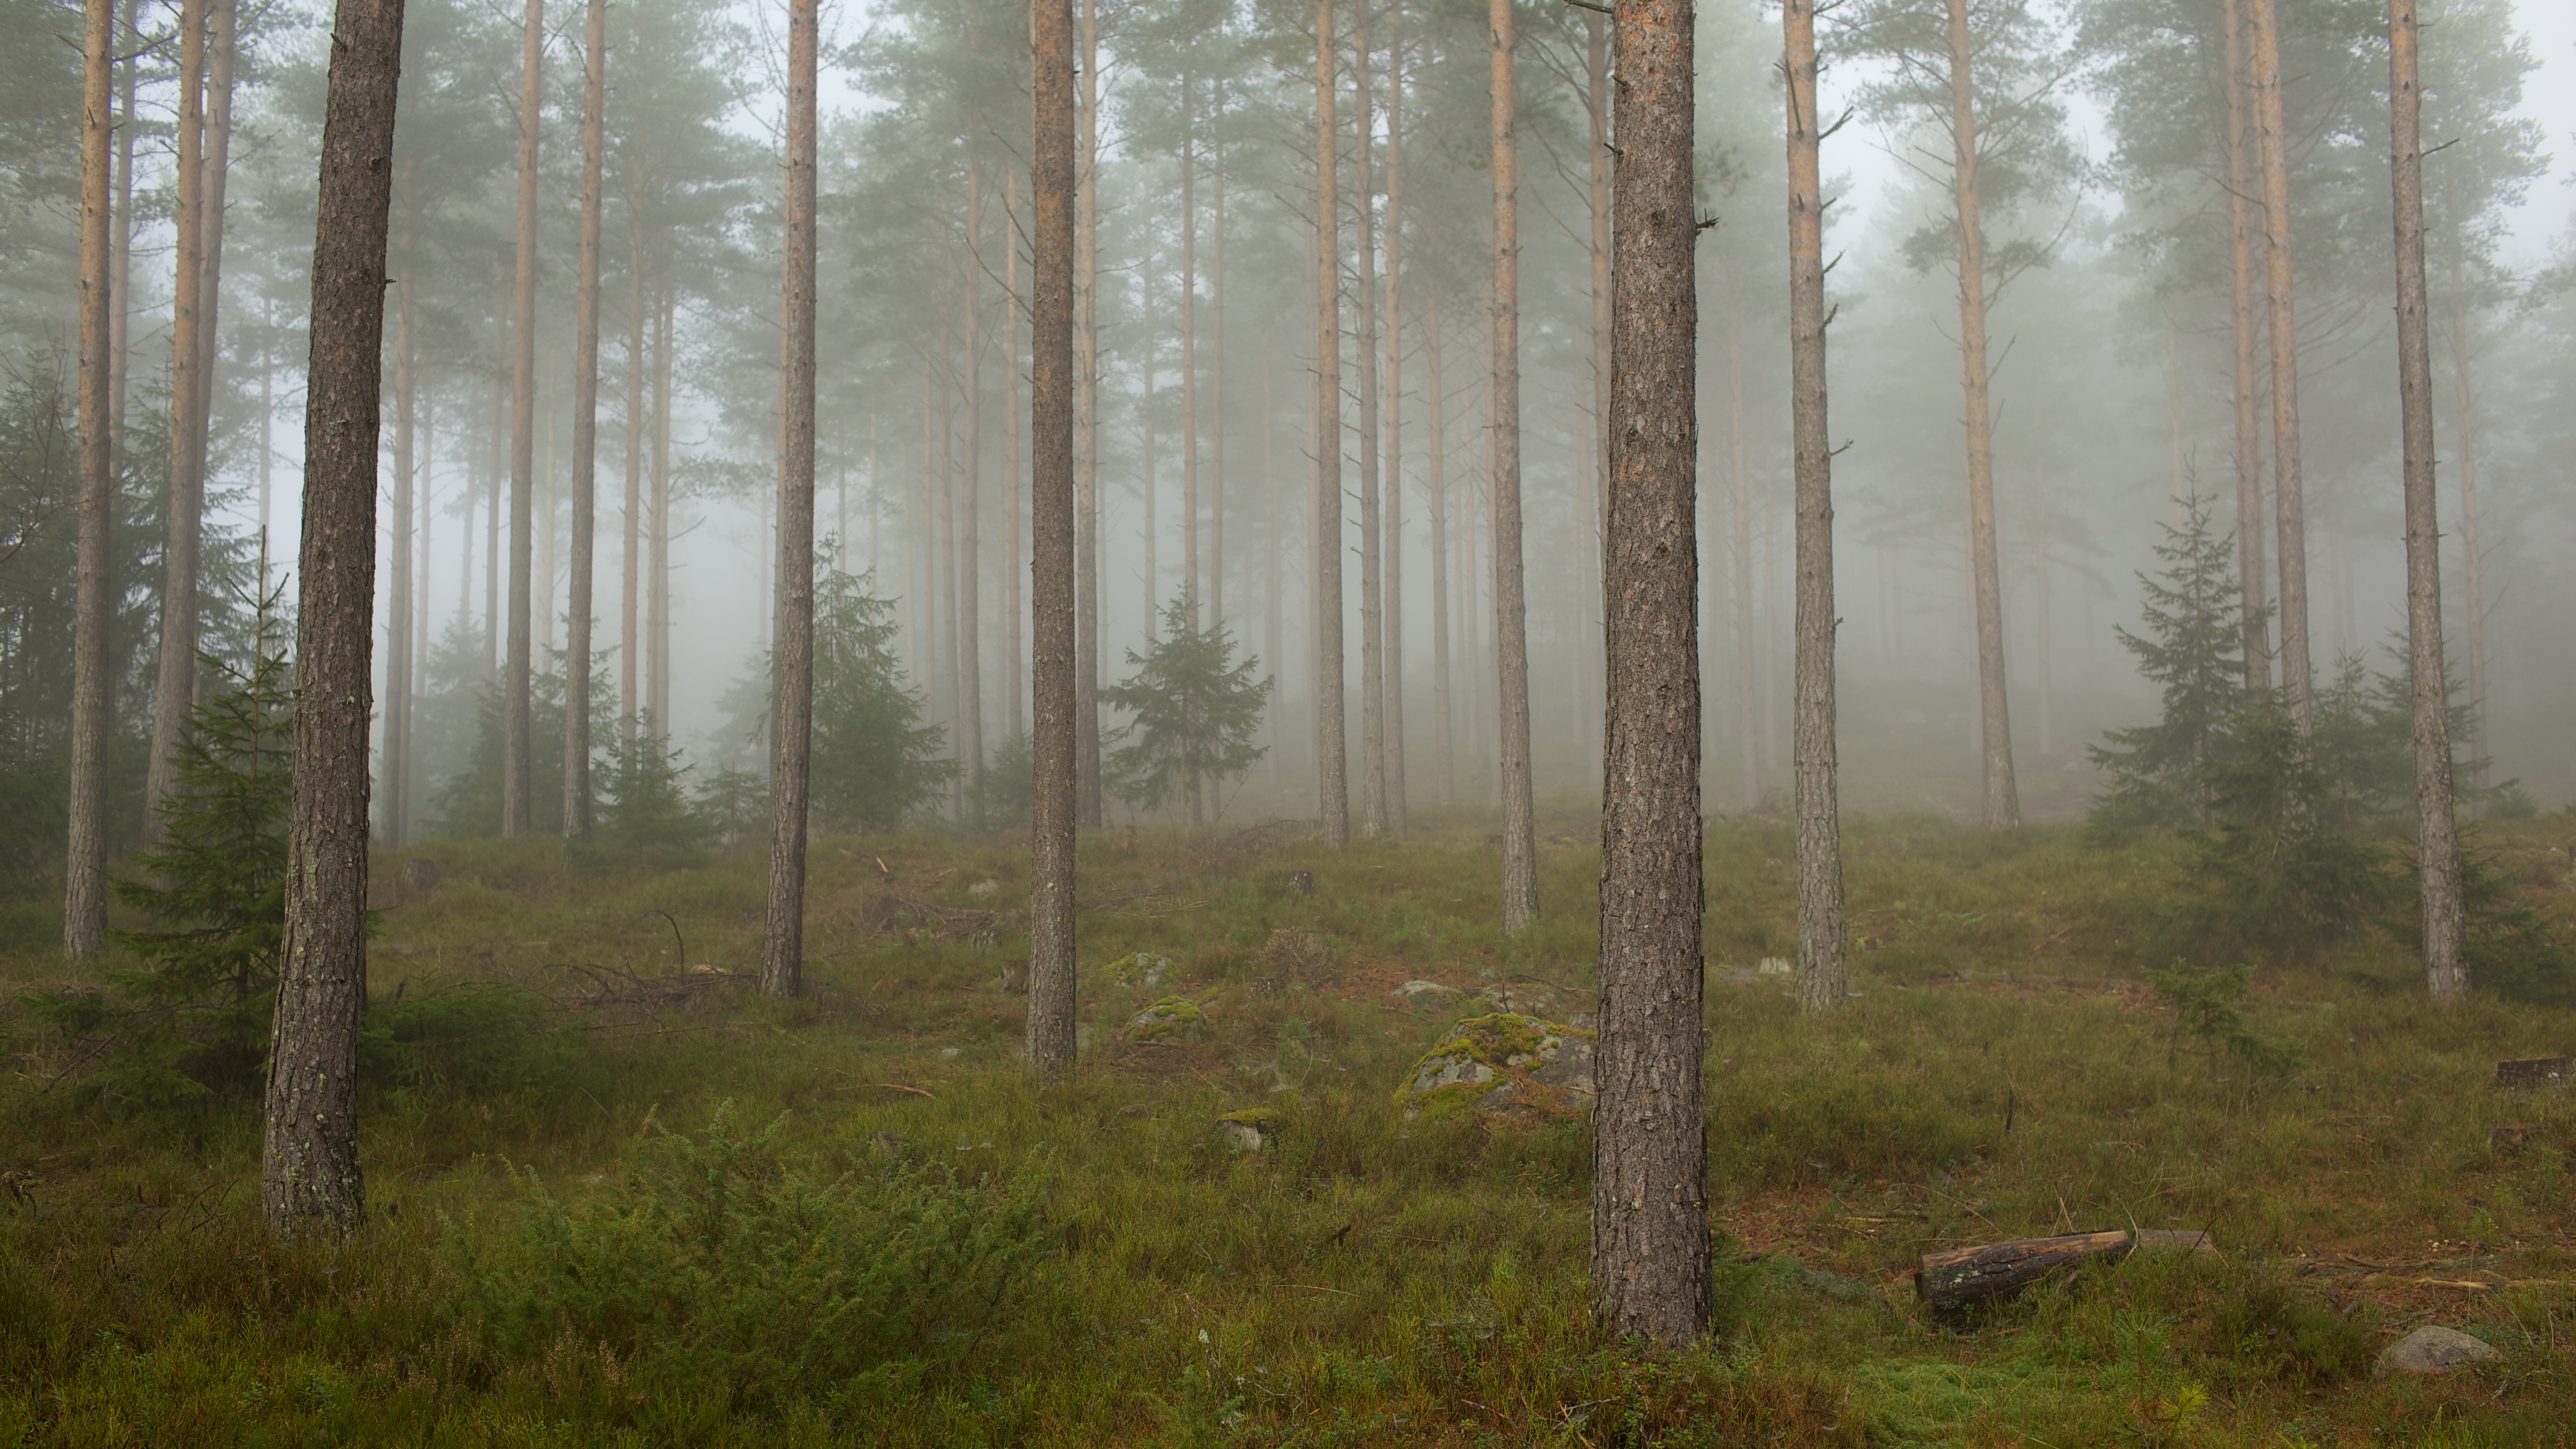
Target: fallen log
(2531, 1072)
(1963, 1275)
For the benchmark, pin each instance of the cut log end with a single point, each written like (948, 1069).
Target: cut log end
(1965, 1275)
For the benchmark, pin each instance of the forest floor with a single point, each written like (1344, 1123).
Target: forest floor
(555, 1042)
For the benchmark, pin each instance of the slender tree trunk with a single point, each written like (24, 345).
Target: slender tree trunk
(1151, 482)
(1373, 682)
(1053, 384)
(1650, 1268)
(1216, 391)
(1739, 493)
(2178, 485)
(1332, 782)
(969, 582)
(2290, 530)
(1273, 568)
(516, 787)
(2251, 593)
(2039, 576)
(1511, 630)
(1391, 520)
(1443, 693)
(174, 690)
(393, 814)
(945, 560)
(423, 502)
(495, 469)
(658, 602)
(1014, 676)
(638, 430)
(309, 1178)
(1190, 576)
(2437, 842)
(121, 239)
(1824, 977)
(2003, 796)
(1086, 646)
(85, 863)
(220, 34)
(585, 427)
(782, 947)
(1598, 105)
(2473, 557)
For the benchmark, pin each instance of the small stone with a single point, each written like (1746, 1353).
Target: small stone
(1251, 1129)
(2433, 1349)
(1415, 993)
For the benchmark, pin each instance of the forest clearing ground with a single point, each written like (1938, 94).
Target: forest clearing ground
(2004, 1072)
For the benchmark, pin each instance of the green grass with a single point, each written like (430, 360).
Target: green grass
(537, 1056)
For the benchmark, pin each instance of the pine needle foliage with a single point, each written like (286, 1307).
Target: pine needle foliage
(875, 764)
(1195, 711)
(2194, 630)
(645, 814)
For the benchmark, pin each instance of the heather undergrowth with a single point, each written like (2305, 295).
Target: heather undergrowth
(616, 1198)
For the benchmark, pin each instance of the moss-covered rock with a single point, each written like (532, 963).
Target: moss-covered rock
(1251, 1129)
(1144, 969)
(1172, 1019)
(1504, 1064)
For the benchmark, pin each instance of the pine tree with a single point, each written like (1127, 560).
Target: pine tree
(875, 763)
(1195, 709)
(2159, 772)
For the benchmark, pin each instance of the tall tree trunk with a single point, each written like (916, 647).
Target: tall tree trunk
(1190, 592)
(422, 503)
(1823, 977)
(1216, 390)
(782, 946)
(392, 815)
(2251, 594)
(2040, 617)
(309, 1179)
(2178, 487)
(2289, 516)
(174, 688)
(1511, 628)
(1086, 644)
(1443, 694)
(969, 580)
(495, 469)
(630, 572)
(1373, 682)
(120, 293)
(585, 426)
(1650, 1268)
(221, 23)
(657, 683)
(1332, 781)
(2473, 582)
(516, 786)
(1598, 104)
(1391, 517)
(2437, 841)
(1015, 679)
(2003, 795)
(1151, 482)
(1053, 385)
(1739, 494)
(85, 861)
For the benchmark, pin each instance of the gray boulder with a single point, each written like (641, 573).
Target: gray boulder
(2433, 1349)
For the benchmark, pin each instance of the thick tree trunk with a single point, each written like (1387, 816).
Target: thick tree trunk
(1053, 741)
(1086, 645)
(585, 427)
(392, 815)
(2437, 841)
(1823, 977)
(1373, 682)
(516, 786)
(782, 945)
(2252, 595)
(1444, 720)
(2003, 795)
(2473, 580)
(85, 862)
(1511, 627)
(1391, 515)
(1332, 780)
(1650, 1269)
(174, 688)
(630, 571)
(309, 1178)
(2289, 515)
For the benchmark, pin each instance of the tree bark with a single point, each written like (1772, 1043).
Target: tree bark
(309, 1177)
(174, 688)
(517, 681)
(782, 947)
(1053, 741)
(392, 815)
(1332, 781)
(1443, 695)
(968, 581)
(1373, 681)
(630, 573)
(1391, 515)
(1823, 978)
(585, 427)
(2289, 517)
(2437, 842)
(1511, 629)
(2251, 594)
(1599, 104)
(2473, 581)
(121, 239)
(85, 861)
(1014, 677)
(658, 600)
(1190, 364)
(1216, 392)
(1739, 496)
(1650, 1270)
(2003, 796)
(1086, 646)
(221, 23)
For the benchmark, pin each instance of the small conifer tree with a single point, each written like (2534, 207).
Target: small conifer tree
(1195, 709)
(2159, 772)
(874, 761)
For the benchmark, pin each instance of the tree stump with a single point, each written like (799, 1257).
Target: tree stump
(1963, 1275)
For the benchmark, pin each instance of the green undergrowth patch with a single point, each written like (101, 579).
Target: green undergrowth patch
(618, 1198)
